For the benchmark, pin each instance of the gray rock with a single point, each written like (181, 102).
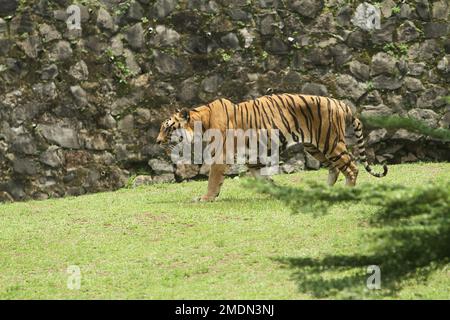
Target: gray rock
(341, 54)
(46, 91)
(269, 3)
(167, 64)
(423, 9)
(406, 11)
(187, 171)
(164, 178)
(385, 33)
(117, 45)
(230, 41)
(431, 97)
(79, 71)
(416, 69)
(386, 8)
(204, 170)
(402, 134)
(49, 72)
(48, 33)
(108, 122)
(198, 45)
(387, 83)
(64, 137)
(143, 116)
(360, 70)
(314, 89)
(441, 10)
(367, 17)
(126, 124)
(25, 166)
(84, 13)
(307, 8)
(211, 84)
(21, 23)
(96, 44)
(160, 166)
(445, 121)
(120, 105)
(311, 162)
(135, 36)
(413, 84)
(276, 46)
(5, 197)
(15, 189)
(347, 86)
(266, 25)
(164, 7)
(104, 20)
(236, 170)
(295, 164)
(238, 14)
(248, 37)
(376, 136)
(8, 7)
(291, 79)
(373, 98)
(97, 141)
(188, 90)
(428, 116)
(80, 96)
(24, 144)
(135, 12)
(165, 36)
(142, 180)
(131, 63)
(424, 51)
(357, 39)
(407, 32)
(383, 63)
(3, 26)
(317, 57)
(52, 157)
(435, 29)
(61, 51)
(344, 16)
(60, 15)
(379, 110)
(443, 64)
(31, 46)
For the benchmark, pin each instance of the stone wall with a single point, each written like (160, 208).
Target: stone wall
(79, 111)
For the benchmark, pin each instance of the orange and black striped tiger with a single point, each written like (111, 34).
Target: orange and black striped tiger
(318, 123)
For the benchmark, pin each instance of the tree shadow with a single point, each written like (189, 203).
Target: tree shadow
(346, 275)
(408, 236)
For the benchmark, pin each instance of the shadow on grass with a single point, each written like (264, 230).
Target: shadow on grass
(409, 236)
(346, 275)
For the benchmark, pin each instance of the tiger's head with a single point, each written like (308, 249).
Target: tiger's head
(179, 120)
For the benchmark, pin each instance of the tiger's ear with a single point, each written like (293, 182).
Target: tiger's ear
(184, 113)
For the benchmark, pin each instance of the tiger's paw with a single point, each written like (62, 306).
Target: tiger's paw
(204, 198)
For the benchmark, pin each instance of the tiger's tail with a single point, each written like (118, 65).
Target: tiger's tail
(357, 126)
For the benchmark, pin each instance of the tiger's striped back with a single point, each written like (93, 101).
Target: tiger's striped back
(317, 122)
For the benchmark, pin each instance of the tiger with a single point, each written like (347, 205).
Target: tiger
(317, 122)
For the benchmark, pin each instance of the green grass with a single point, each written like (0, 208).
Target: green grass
(154, 243)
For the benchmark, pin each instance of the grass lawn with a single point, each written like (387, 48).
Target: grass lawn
(154, 243)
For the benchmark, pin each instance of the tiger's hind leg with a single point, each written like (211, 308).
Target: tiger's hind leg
(333, 172)
(343, 161)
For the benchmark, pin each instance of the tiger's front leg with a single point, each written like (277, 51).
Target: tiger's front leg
(215, 181)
